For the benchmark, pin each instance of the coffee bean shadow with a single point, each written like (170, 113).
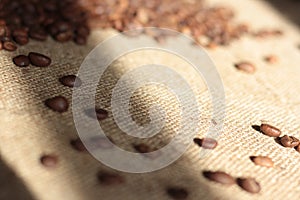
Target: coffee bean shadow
(12, 186)
(256, 127)
(288, 8)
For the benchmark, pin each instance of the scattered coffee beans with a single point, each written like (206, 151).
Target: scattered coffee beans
(269, 130)
(177, 193)
(245, 67)
(101, 114)
(289, 141)
(21, 61)
(220, 177)
(272, 59)
(249, 185)
(78, 145)
(106, 178)
(69, 81)
(49, 161)
(58, 104)
(262, 161)
(39, 60)
(206, 143)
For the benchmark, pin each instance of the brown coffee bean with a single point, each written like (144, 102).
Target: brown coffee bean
(9, 46)
(206, 143)
(142, 148)
(21, 40)
(289, 141)
(219, 177)
(80, 40)
(69, 81)
(39, 35)
(2, 31)
(39, 60)
(177, 193)
(20, 32)
(83, 31)
(101, 114)
(21, 61)
(272, 59)
(107, 178)
(262, 161)
(245, 67)
(78, 145)
(249, 185)
(49, 161)
(58, 104)
(269, 130)
(64, 36)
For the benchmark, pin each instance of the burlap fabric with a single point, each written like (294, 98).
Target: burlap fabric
(29, 129)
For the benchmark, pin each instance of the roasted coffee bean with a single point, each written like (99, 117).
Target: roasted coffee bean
(78, 145)
(58, 104)
(49, 161)
(80, 40)
(272, 59)
(245, 67)
(249, 185)
(269, 130)
(206, 143)
(262, 161)
(2, 31)
(21, 40)
(39, 60)
(289, 141)
(107, 178)
(20, 32)
(64, 36)
(9, 46)
(219, 177)
(38, 35)
(82, 31)
(70, 81)
(21, 61)
(177, 193)
(100, 113)
(142, 148)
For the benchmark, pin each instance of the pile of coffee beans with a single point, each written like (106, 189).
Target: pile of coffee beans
(248, 184)
(36, 19)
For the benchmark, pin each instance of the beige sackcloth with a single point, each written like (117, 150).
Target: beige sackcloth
(28, 129)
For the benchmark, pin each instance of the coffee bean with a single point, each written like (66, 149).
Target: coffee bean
(49, 161)
(21, 40)
(80, 40)
(20, 32)
(21, 61)
(2, 31)
(58, 104)
(9, 46)
(69, 81)
(142, 148)
(39, 35)
(177, 193)
(101, 114)
(64, 36)
(249, 185)
(78, 145)
(289, 141)
(107, 178)
(262, 161)
(206, 143)
(83, 31)
(39, 60)
(269, 130)
(272, 59)
(245, 67)
(219, 177)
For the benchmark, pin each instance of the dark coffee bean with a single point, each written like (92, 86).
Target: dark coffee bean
(78, 145)
(9, 46)
(269, 130)
(63, 26)
(107, 178)
(69, 81)
(21, 40)
(21, 61)
(101, 114)
(39, 35)
(142, 148)
(2, 31)
(6, 39)
(80, 40)
(206, 143)
(49, 161)
(20, 32)
(64, 37)
(82, 31)
(58, 104)
(262, 161)
(272, 59)
(220, 177)
(2, 22)
(177, 193)
(249, 185)
(245, 67)
(289, 141)
(39, 60)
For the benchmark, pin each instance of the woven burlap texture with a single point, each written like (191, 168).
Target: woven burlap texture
(29, 129)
